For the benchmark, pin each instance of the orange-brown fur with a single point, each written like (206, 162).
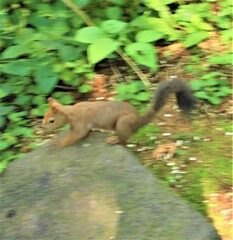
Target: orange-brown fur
(120, 117)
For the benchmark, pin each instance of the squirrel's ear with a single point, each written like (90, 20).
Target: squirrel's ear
(52, 101)
(55, 106)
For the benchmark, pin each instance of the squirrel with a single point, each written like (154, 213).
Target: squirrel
(121, 117)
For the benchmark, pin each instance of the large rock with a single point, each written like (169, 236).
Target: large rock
(92, 191)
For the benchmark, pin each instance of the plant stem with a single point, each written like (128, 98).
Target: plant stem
(79, 11)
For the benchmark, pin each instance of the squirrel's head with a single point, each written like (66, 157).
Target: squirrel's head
(55, 117)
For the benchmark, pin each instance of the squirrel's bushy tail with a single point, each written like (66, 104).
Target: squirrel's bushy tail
(184, 97)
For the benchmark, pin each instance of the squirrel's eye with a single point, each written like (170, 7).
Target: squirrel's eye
(51, 120)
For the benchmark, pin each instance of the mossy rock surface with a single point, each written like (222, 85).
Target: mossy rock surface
(92, 191)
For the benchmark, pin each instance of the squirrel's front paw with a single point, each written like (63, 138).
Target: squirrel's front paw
(57, 144)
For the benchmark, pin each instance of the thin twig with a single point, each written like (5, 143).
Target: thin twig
(79, 11)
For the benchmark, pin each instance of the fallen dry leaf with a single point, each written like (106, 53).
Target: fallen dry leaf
(164, 151)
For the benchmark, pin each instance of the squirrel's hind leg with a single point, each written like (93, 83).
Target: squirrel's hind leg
(126, 126)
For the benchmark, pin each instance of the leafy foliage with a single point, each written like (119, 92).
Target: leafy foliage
(211, 88)
(45, 43)
(134, 92)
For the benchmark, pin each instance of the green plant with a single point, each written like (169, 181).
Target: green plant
(145, 136)
(212, 87)
(134, 92)
(49, 43)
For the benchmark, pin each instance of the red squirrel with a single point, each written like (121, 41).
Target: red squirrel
(120, 117)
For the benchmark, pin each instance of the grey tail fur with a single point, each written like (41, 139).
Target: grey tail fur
(184, 97)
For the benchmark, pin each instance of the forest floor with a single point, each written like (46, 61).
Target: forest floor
(192, 155)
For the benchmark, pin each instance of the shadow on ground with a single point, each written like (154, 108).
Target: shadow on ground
(91, 191)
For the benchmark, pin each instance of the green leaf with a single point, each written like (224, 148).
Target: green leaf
(198, 22)
(113, 26)
(214, 100)
(23, 131)
(85, 88)
(39, 111)
(195, 38)
(88, 34)
(148, 36)
(118, 2)
(5, 90)
(2, 121)
(63, 97)
(143, 53)
(101, 49)
(113, 12)
(202, 95)
(14, 51)
(221, 59)
(5, 110)
(45, 78)
(82, 3)
(23, 100)
(69, 53)
(20, 68)
(142, 96)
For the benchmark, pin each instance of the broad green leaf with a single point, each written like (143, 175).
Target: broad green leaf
(194, 38)
(164, 26)
(202, 95)
(45, 78)
(82, 3)
(197, 84)
(212, 82)
(142, 96)
(113, 26)
(5, 110)
(148, 36)
(2, 121)
(23, 131)
(23, 100)
(85, 88)
(214, 100)
(143, 53)
(64, 98)
(199, 23)
(69, 53)
(113, 12)
(88, 34)
(39, 111)
(14, 51)
(101, 49)
(118, 2)
(5, 90)
(20, 68)
(221, 59)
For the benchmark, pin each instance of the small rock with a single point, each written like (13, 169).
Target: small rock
(86, 145)
(175, 172)
(100, 98)
(228, 133)
(166, 134)
(219, 129)
(119, 212)
(179, 143)
(170, 164)
(161, 124)
(192, 159)
(168, 115)
(153, 137)
(206, 139)
(196, 138)
(131, 145)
